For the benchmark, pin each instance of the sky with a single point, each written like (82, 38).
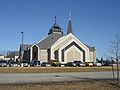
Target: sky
(94, 22)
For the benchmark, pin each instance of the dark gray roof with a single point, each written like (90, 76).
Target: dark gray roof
(90, 48)
(49, 41)
(52, 38)
(25, 47)
(16, 53)
(55, 29)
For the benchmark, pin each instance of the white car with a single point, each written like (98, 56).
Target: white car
(45, 64)
(13, 64)
(79, 63)
(24, 64)
(97, 64)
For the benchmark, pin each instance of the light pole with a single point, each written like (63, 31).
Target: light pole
(22, 36)
(21, 53)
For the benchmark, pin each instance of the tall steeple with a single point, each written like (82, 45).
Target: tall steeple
(70, 24)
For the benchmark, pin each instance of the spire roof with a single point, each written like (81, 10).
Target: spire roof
(70, 26)
(55, 29)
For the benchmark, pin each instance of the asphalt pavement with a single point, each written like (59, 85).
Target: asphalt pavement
(52, 77)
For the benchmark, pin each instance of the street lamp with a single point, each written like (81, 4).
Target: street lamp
(22, 37)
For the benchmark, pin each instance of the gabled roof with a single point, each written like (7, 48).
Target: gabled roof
(25, 47)
(49, 41)
(90, 48)
(16, 53)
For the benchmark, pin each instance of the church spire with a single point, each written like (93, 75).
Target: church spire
(69, 24)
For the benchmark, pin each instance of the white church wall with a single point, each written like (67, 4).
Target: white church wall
(65, 41)
(92, 57)
(86, 50)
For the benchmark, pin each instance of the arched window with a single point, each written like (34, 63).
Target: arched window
(35, 52)
(56, 54)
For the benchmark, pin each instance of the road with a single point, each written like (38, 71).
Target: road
(51, 77)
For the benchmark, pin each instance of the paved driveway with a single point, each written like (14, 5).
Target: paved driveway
(52, 77)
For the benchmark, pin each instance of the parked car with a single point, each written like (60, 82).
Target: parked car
(106, 63)
(63, 65)
(70, 64)
(35, 63)
(13, 64)
(3, 63)
(45, 64)
(97, 64)
(79, 63)
(24, 63)
(90, 64)
(55, 63)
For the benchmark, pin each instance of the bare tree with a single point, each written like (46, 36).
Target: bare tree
(115, 50)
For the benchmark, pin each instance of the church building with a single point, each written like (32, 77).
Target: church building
(58, 46)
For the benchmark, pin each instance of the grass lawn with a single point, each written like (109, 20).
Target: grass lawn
(52, 69)
(83, 85)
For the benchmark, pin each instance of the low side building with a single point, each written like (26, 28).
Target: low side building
(1, 57)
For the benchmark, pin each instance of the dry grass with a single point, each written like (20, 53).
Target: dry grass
(83, 85)
(52, 69)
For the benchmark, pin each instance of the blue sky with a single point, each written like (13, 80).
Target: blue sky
(95, 22)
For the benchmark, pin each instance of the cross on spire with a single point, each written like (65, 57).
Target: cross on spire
(55, 18)
(70, 14)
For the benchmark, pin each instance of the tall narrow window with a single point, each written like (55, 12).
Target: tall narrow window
(56, 54)
(35, 53)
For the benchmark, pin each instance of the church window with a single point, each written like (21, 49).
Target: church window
(56, 54)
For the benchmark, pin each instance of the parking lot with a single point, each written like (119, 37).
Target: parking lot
(51, 63)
